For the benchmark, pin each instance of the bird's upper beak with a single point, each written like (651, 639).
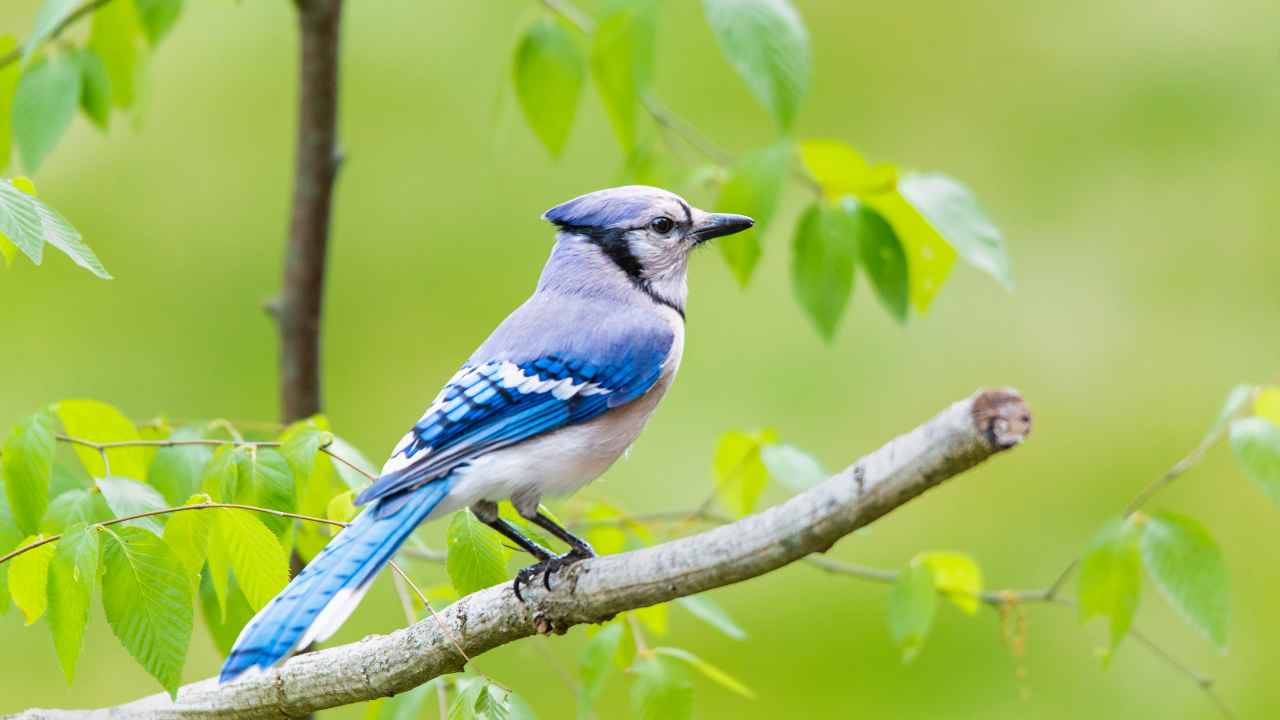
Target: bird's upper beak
(715, 225)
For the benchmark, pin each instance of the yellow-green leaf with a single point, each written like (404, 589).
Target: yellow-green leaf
(9, 75)
(114, 35)
(29, 579)
(838, 169)
(187, 535)
(1267, 404)
(956, 576)
(128, 497)
(242, 543)
(883, 259)
(99, 422)
(738, 470)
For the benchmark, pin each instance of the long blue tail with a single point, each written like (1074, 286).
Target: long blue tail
(324, 594)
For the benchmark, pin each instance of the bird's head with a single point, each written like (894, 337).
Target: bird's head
(646, 231)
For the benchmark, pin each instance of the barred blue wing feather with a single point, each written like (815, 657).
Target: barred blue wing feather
(499, 403)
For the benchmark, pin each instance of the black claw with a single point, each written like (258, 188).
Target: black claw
(546, 568)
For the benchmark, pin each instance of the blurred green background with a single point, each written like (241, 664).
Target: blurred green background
(1128, 150)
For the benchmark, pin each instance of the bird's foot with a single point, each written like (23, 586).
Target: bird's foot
(547, 568)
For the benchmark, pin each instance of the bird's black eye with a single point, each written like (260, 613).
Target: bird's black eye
(662, 225)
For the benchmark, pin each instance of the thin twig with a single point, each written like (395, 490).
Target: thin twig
(83, 11)
(165, 511)
(425, 603)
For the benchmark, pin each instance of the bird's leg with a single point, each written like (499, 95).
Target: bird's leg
(580, 549)
(487, 512)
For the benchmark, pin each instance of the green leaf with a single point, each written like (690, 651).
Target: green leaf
(883, 259)
(29, 579)
(1187, 566)
(711, 672)
(661, 691)
(72, 507)
(241, 542)
(826, 249)
(266, 481)
(43, 106)
(1256, 443)
(158, 17)
(739, 472)
(477, 557)
(929, 256)
(221, 476)
(9, 75)
(594, 665)
(792, 466)
(300, 443)
(342, 507)
(464, 704)
(176, 471)
(405, 706)
(187, 534)
(99, 422)
(912, 604)
(1111, 579)
(51, 14)
(30, 223)
(1267, 404)
(622, 64)
(836, 166)
(956, 576)
(114, 35)
(548, 70)
(147, 599)
(129, 497)
(755, 182)
(224, 625)
(766, 43)
(95, 88)
(28, 469)
(954, 213)
(73, 573)
(712, 614)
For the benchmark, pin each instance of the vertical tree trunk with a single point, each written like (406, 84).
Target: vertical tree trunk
(302, 297)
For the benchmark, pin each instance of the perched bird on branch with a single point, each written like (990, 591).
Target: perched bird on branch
(557, 393)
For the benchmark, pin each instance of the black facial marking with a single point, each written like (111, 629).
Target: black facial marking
(613, 242)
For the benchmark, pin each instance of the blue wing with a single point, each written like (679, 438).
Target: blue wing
(490, 405)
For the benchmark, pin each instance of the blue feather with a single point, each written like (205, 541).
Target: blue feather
(349, 562)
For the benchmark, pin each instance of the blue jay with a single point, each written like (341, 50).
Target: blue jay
(557, 393)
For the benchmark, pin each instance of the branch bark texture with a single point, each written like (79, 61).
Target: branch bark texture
(302, 297)
(958, 438)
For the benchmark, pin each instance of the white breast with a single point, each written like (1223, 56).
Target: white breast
(561, 462)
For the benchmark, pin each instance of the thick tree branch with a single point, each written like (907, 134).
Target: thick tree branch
(301, 299)
(957, 439)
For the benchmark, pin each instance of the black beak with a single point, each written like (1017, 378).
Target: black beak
(721, 224)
